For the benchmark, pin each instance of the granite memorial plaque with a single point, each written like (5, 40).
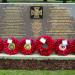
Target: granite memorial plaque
(33, 20)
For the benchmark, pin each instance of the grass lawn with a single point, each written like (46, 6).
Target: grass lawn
(37, 72)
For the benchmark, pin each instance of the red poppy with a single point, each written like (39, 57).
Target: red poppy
(27, 46)
(72, 46)
(11, 47)
(1, 45)
(44, 45)
(61, 49)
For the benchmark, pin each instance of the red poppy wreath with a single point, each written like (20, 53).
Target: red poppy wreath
(11, 46)
(27, 46)
(44, 45)
(72, 46)
(1, 45)
(62, 47)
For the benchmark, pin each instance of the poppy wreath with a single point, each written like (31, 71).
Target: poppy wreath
(1, 45)
(62, 47)
(44, 45)
(27, 46)
(72, 46)
(11, 46)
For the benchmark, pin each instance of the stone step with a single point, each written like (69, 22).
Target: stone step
(37, 57)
